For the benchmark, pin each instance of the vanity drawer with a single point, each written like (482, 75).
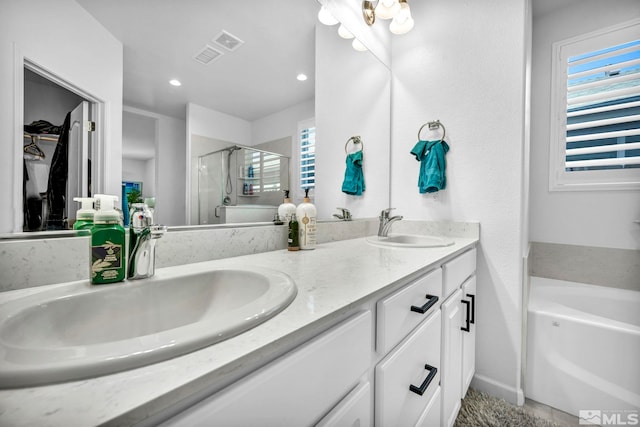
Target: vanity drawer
(457, 271)
(297, 389)
(396, 317)
(409, 367)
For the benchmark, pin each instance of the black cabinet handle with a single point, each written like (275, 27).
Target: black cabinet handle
(467, 320)
(473, 308)
(423, 387)
(432, 300)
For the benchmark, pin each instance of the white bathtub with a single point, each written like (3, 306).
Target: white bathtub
(583, 346)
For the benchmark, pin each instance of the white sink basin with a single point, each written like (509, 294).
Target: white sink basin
(410, 241)
(77, 331)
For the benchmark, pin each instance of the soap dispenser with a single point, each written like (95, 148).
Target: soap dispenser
(107, 242)
(84, 215)
(306, 213)
(286, 209)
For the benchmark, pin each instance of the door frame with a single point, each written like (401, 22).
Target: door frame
(97, 114)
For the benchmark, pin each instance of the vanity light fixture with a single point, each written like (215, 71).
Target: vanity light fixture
(397, 10)
(174, 82)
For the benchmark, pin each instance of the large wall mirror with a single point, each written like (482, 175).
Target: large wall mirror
(252, 55)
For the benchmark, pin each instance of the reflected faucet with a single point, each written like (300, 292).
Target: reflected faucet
(346, 214)
(386, 221)
(142, 242)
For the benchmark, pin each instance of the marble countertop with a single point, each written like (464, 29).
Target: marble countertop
(332, 280)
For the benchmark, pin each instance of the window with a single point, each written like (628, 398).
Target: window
(307, 157)
(595, 122)
(266, 170)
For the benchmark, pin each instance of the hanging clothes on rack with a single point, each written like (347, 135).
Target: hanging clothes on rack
(57, 186)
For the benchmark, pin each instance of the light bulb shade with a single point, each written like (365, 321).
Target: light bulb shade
(401, 28)
(387, 9)
(326, 17)
(344, 33)
(357, 45)
(403, 22)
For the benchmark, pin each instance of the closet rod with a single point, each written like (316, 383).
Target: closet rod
(53, 138)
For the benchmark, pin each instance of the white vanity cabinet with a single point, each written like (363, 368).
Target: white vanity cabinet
(415, 374)
(458, 332)
(298, 389)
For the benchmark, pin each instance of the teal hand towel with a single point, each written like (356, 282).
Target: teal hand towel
(353, 177)
(431, 155)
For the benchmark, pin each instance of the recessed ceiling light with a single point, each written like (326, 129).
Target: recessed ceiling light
(302, 77)
(174, 82)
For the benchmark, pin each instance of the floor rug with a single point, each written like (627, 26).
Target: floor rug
(481, 410)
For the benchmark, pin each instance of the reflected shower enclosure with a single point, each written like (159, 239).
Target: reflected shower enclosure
(240, 184)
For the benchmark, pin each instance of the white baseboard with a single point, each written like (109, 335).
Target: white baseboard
(497, 389)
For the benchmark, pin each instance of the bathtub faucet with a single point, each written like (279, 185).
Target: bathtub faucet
(142, 242)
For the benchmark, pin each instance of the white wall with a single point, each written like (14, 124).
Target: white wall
(167, 168)
(464, 63)
(588, 218)
(353, 92)
(84, 54)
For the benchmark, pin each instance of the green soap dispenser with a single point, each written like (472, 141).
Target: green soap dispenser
(84, 215)
(108, 251)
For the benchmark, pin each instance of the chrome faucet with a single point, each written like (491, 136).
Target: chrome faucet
(142, 242)
(386, 221)
(346, 214)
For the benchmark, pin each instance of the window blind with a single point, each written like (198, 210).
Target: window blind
(603, 109)
(307, 157)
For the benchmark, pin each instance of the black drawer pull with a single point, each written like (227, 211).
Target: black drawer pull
(423, 387)
(473, 307)
(422, 310)
(467, 320)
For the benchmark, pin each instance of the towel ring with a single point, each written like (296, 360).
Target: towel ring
(433, 125)
(356, 140)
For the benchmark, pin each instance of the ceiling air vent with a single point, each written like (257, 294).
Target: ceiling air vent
(228, 41)
(207, 54)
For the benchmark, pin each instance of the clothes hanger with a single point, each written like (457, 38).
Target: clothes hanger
(32, 151)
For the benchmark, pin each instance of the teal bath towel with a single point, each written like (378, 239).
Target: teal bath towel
(431, 155)
(353, 177)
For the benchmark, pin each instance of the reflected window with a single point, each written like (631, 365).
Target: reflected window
(307, 157)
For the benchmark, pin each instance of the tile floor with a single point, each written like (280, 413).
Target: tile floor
(541, 410)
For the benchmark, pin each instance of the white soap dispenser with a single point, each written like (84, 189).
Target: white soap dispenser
(286, 209)
(307, 214)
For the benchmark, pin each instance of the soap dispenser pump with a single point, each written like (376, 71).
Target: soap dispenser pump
(84, 215)
(307, 214)
(286, 209)
(107, 242)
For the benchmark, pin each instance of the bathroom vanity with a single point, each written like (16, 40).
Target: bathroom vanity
(380, 335)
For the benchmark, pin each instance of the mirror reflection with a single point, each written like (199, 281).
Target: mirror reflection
(247, 96)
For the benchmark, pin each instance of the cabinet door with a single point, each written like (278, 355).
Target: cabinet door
(412, 363)
(468, 337)
(354, 410)
(451, 358)
(295, 390)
